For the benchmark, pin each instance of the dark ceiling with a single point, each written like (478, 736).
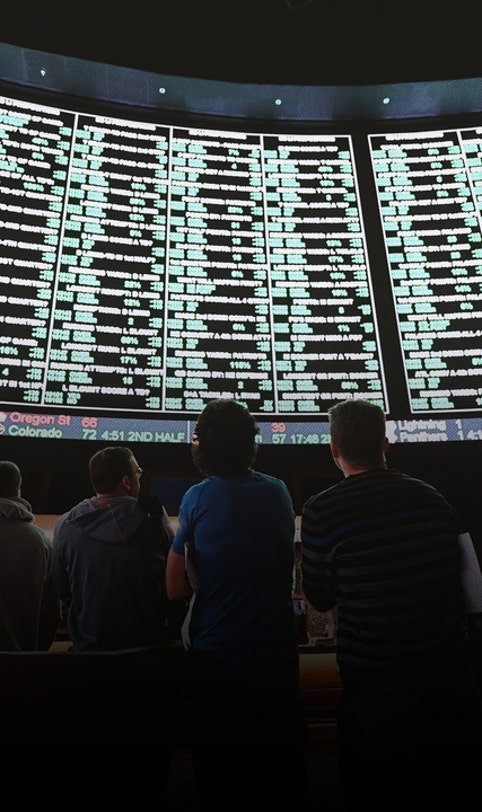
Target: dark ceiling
(317, 42)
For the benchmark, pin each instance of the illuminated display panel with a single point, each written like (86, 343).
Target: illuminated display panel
(148, 266)
(429, 193)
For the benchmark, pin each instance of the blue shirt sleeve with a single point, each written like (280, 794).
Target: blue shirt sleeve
(185, 531)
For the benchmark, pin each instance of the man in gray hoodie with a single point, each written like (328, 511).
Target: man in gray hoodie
(29, 606)
(109, 556)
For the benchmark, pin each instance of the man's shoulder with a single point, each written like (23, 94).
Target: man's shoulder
(271, 483)
(73, 511)
(325, 494)
(71, 514)
(31, 533)
(415, 483)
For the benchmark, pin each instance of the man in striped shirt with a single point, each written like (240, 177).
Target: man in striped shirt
(380, 548)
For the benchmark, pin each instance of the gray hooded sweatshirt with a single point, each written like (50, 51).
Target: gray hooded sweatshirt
(29, 605)
(109, 559)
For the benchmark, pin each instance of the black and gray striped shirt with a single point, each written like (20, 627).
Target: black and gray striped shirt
(382, 547)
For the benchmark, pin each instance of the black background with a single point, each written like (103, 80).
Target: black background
(264, 41)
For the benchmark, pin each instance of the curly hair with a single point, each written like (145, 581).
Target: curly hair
(225, 438)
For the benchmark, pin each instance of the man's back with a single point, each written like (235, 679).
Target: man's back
(240, 529)
(109, 565)
(383, 547)
(29, 606)
(236, 529)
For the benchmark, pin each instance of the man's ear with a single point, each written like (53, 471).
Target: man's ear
(335, 453)
(386, 444)
(126, 483)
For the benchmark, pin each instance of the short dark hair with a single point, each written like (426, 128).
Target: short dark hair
(359, 429)
(108, 466)
(225, 438)
(10, 478)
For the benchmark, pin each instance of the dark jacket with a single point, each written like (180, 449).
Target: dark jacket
(109, 558)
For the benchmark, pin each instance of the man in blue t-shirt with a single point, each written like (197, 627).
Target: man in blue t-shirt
(233, 558)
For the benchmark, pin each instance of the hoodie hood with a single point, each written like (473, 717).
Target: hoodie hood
(15, 508)
(109, 520)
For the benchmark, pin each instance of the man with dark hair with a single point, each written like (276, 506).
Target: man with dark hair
(229, 439)
(109, 558)
(381, 549)
(29, 605)
(234, 550)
